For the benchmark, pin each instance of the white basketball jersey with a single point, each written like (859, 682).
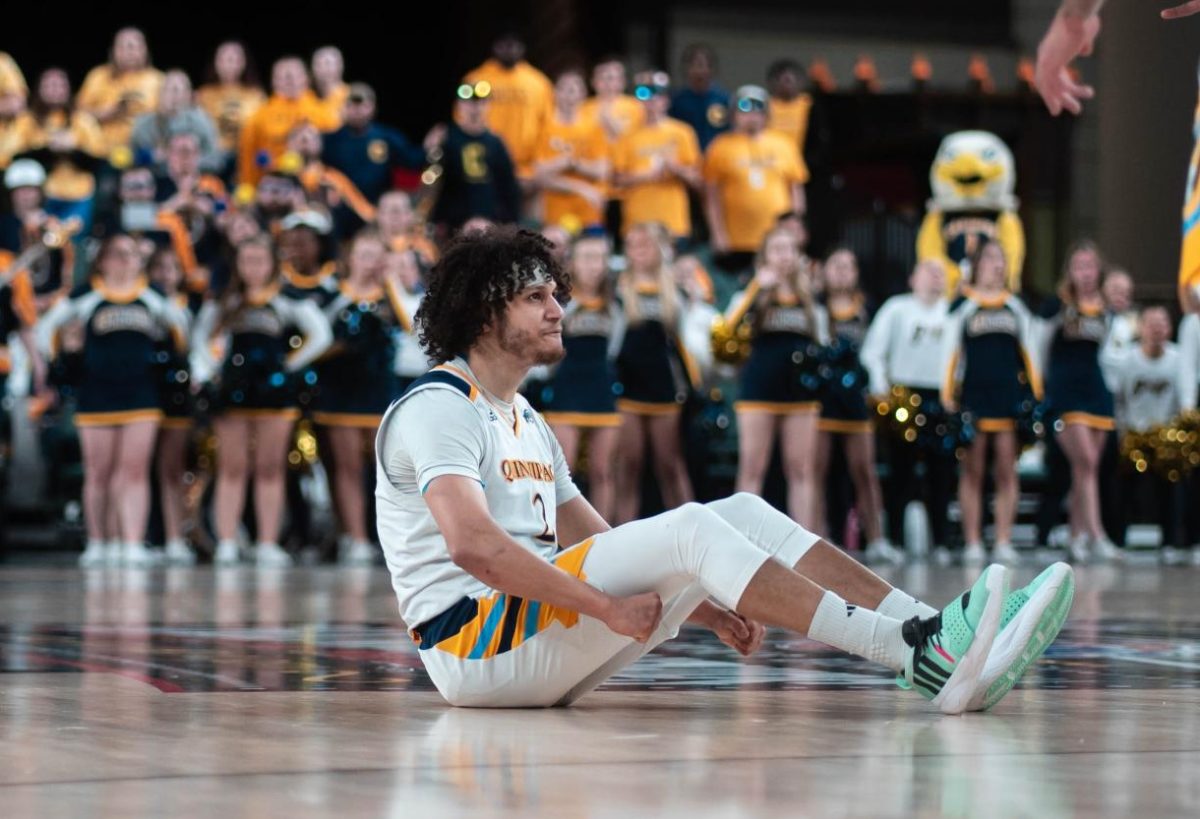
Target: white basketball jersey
(445, 424)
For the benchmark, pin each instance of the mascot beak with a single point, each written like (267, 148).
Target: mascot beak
(969, 174)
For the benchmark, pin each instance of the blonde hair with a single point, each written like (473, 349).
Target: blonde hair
(799, 278)
(667, 293)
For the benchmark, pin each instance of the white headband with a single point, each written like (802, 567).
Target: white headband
(531, 274)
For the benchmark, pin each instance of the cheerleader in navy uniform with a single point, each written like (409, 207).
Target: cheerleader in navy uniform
(177, 402)
(255, 403)
(655, 372)
(1075, 329)
(844, 410)
(357, 379)
(779, 386)
(989, 375)
(580, 397)
(118, 411)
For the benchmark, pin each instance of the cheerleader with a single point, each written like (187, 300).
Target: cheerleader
(175, 398)
(118, 411)
(301, 248)
(580, 397)
(357, 379)
(844, 411)
(779, 389)
(402, 271)
(989, 374)
(1075, 329)
(655, 372)
(903, 348)
(255, 400)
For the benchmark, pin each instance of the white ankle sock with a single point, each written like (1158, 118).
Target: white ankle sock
(859, 631)
(901, 605)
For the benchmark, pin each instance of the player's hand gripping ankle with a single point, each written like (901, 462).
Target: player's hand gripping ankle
(636, 616)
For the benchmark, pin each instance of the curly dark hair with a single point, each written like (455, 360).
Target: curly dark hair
(471, 285)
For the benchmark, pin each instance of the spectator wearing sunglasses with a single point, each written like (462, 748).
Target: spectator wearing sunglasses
(752, 176)
(478, 176)
(365, 151)
(657, 162)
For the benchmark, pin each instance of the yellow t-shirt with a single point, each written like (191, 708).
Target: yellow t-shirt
(103, 88)
(624, 114)
(64, 179)
(229, 106)
(12, 81)
(267, 130)
(520, 105)
(791, 118)
(335, 101)
(754, 177)
(665, 201)
(582, 140)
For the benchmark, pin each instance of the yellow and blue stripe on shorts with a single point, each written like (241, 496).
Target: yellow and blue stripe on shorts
(481, 627)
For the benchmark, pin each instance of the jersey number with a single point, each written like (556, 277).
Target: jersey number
(547, 536)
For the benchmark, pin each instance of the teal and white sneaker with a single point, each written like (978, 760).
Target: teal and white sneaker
(1031, 618)
(950, 650)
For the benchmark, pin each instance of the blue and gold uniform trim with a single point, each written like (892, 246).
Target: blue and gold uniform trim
(480, 628)
(347, 419)
(590, 420)
(1087, 419)
(780, 407)
(648, 407)
(838, 426)
(118, 418)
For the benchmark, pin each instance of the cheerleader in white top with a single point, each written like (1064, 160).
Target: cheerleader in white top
(1146, 389)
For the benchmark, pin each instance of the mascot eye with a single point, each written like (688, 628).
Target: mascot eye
(989, 154)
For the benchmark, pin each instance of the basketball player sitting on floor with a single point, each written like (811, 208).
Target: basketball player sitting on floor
(519, 594)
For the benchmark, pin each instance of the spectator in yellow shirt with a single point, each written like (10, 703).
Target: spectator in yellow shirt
(520, 102)
(616, 112)
(571, 162)
(122, 89)
(657, 162)
(752, 176)
(265, 134)
(230, 95)
(66, 142)
(328, 68)
(13, 93)
(789, 109)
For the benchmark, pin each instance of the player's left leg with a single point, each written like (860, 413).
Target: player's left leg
(1031, 617)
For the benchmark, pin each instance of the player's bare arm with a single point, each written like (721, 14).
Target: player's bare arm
(479, 546)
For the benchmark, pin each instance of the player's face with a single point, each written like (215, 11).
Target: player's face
(532, 326)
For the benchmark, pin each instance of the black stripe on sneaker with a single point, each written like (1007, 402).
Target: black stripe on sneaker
(933, 669)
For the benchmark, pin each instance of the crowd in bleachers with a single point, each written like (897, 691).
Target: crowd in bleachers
(232, 262)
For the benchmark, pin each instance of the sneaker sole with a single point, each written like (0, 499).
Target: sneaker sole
(1056, 597)
(958, 691)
